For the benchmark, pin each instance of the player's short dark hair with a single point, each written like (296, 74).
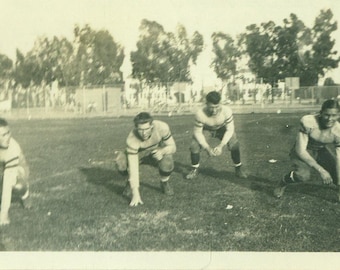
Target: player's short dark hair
(142, 118)
(213, 97)
(3, 122)
(330, 104)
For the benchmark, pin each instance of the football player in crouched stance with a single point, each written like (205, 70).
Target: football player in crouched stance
(14, 172)
(214, 121)
(148, 138)
(310, 151)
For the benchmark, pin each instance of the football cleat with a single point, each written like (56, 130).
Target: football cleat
(127, 191)
(240, 172)
(192, 174)
(280, 188)
(26, 203)
(166, 188)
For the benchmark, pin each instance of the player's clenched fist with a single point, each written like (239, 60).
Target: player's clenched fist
(218, 150)
(210, 151)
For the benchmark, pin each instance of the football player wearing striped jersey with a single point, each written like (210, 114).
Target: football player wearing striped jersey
(311, 149)
(214, 120)
(149, 138)
(14, 170)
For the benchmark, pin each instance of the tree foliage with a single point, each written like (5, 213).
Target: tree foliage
(98, 57)
(164, 56)
(92, 58)
(226, 56)
(291, 50)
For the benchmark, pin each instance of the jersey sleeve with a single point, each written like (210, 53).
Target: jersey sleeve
(306, 125)
(14, 155)
(165, 131)
(199, 122)
(228, 115)
(132, 145)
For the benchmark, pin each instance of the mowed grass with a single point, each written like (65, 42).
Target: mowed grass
(78, 206)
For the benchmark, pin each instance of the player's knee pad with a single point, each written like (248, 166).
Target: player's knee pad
(121, 162)
(166, 165)
(194, 147)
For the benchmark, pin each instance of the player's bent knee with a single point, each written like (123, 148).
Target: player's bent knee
(234, 145)
(194, 147)
(121, 161)
(302, 177)
(166, 164)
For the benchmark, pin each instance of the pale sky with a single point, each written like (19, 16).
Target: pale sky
(22, 21)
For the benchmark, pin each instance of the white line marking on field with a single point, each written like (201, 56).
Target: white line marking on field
(257, 120)
(39, 179)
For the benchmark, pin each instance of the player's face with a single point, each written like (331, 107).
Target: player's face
(144, 130)
(213, 109)
(328, 117)
(5, 136)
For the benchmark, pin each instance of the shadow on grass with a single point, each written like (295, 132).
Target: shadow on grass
(110, 179)
(323, 192)
(267, 186)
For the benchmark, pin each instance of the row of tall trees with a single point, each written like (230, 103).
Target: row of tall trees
(92, 58)
(272, 52)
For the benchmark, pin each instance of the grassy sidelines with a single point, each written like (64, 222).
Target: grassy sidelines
(78, 204)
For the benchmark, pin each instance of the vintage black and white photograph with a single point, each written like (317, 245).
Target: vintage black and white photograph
(169, 134)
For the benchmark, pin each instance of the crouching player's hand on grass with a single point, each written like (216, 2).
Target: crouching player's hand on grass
(136, 199)
(4, 219)
(326, 177)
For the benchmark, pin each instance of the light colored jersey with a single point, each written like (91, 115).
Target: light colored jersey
(318, 138)
(215, 122)
(12, 156)
(160, 134)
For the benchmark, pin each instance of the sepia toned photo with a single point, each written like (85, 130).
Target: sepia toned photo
(144, 134)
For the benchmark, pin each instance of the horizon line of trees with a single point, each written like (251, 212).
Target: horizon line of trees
(271, 52)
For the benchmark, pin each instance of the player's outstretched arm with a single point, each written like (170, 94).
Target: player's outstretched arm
(301, 150)
(337, 162)
(9, 180)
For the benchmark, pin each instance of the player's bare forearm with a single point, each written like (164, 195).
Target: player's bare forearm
(230, 128)
(337, 164)
(301, 151)
(199, 136)
(226, 137)
(133, 171)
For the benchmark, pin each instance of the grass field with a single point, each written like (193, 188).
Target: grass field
(77, 202)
